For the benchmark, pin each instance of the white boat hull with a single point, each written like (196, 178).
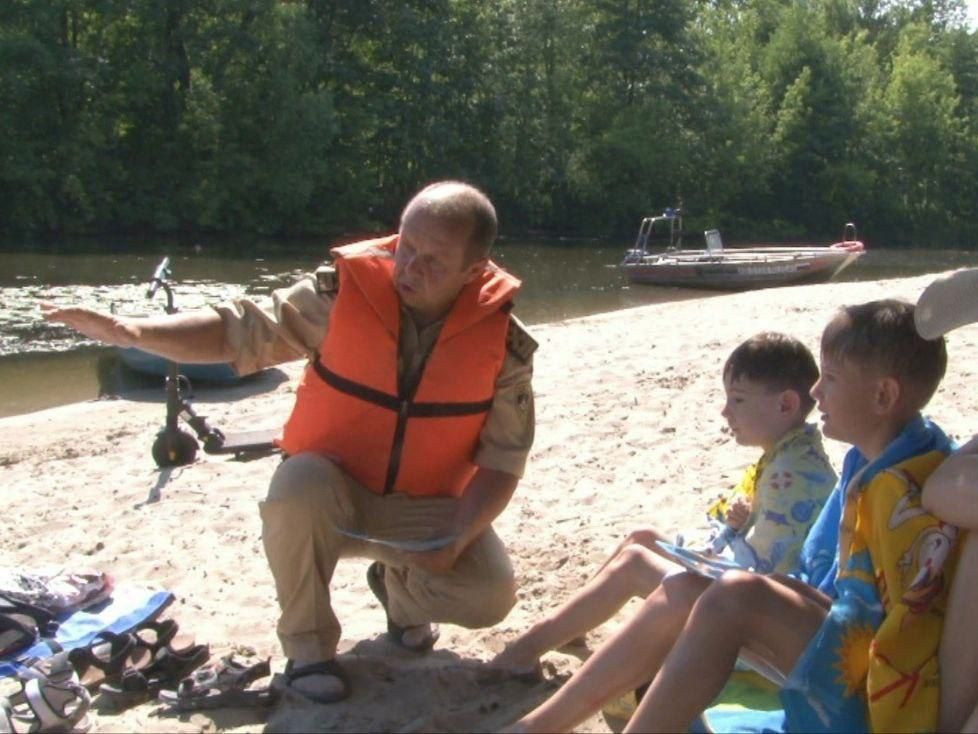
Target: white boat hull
(740, 269)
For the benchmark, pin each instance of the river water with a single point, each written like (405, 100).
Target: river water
(43, 365)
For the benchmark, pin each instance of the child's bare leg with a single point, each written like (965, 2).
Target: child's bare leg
(738, 610)
(633, 570)
(959, 645)
(645, 537)
(627, 660)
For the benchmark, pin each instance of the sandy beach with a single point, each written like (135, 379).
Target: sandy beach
(629, 433)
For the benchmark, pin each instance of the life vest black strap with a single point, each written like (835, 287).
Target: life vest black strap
(394, 403)
(448, 410)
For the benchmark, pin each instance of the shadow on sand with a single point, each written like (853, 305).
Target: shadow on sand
(115, 379)
(398, 691)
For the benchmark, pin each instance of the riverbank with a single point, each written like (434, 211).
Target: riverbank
(628, 432)
(44, 365)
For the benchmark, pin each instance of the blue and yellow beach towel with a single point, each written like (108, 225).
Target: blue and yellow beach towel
(873, 663)
(786, 489)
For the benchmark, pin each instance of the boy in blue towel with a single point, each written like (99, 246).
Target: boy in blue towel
(764, 519)
(857, 634)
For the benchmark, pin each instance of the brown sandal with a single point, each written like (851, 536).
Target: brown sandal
(107, 657)
(327, 667)
(375, 580)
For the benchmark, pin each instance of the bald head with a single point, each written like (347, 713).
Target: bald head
(459, 204)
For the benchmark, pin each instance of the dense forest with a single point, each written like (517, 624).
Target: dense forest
(770, 118)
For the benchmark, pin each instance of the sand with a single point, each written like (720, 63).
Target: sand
(629, 433)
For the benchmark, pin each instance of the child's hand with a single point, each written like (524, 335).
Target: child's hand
(738, 513)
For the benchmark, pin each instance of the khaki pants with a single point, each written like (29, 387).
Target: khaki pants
(309, 497)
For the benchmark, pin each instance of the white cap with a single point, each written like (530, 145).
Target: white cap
(947, 303)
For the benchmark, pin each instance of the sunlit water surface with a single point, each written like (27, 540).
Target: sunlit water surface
(43, 365)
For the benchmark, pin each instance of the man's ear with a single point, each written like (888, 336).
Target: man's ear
(887, 395)
(473, 270)
(789, 402)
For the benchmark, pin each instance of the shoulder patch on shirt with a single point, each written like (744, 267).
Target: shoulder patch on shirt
(327, 280)
(519, 341)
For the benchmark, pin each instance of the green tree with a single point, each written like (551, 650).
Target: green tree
(640, 89)
(925, 139)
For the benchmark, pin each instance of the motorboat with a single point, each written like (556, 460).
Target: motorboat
(739, 268)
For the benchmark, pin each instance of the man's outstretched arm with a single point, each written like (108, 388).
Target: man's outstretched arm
(186, 337)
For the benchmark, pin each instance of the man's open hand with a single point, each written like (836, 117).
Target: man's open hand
(101, 327)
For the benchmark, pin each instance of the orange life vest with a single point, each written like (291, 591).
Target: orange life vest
(348, 405)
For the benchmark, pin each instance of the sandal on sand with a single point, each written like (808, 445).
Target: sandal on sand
(327, 668)
(132, 689)
(227, 673)
(375, 579)
(216, 699)
(138, 686)
(107, 657)
(175, 665)
(50, 700)
(157, 634)
(221, 684)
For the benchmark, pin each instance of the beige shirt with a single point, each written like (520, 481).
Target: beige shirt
(296, 324)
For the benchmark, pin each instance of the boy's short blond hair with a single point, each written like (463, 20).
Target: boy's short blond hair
(776, 361)
(881, 335)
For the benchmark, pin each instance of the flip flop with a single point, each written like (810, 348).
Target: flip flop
(327, 667)
(375, 580)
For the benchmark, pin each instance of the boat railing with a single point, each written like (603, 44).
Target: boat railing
(640, 249)
(646, 228)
